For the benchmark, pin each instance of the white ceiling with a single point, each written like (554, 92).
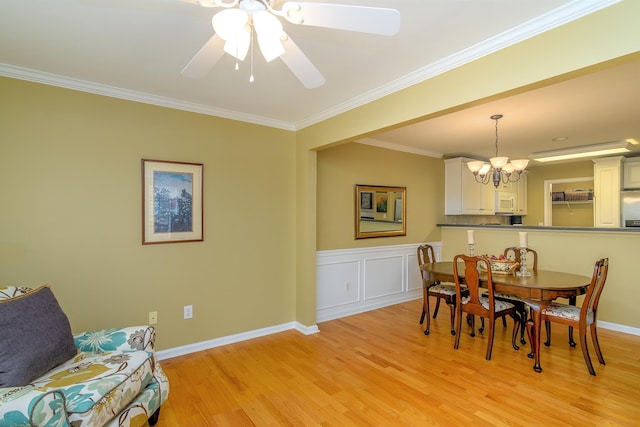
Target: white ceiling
(135, 49)
(601, 106)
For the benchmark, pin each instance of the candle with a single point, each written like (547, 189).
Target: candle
(470, 239)
(523, 239)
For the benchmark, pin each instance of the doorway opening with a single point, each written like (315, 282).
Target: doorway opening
(568, 202)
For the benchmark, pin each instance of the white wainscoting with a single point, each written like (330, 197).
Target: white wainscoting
(350, 281)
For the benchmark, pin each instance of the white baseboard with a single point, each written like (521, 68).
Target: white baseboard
(307, 330)
(619, 328)
(230, 339)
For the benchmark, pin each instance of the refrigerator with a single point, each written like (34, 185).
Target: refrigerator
(630, 208)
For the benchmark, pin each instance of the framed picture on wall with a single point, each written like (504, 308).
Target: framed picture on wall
(172, 209)
(381, 202)
(366, 200)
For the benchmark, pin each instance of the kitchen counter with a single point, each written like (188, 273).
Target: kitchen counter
(542, 228)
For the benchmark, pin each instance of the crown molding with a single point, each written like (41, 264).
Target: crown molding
(396, 147)
(555, 18)
(36, 76)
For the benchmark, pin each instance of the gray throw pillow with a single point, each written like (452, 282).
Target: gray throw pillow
(36, 337)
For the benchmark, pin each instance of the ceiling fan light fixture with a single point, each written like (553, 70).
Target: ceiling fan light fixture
(292, 12)
(269, 31)
(238, 47)
(234, 31)
(230, 24)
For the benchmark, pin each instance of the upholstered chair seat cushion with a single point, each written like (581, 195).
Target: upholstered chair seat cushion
(444, 288)
(500, 305)
(507, 296)
(566, 311)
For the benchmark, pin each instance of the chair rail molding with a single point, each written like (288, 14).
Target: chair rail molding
(351, 281)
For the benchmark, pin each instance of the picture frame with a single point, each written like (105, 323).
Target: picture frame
(366, 200)
(172, 202)
(381, 202)
(380, 211)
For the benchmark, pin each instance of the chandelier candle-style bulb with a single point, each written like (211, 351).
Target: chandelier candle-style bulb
(499, 162)
(520, 164)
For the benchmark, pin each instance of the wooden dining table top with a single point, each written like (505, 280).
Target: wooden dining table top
(541, 285)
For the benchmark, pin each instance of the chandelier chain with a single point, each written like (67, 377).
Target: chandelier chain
(496, 117)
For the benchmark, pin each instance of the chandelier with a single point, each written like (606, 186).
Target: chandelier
(500, 169)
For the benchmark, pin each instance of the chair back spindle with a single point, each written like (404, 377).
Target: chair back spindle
(514, 254)
(472, 280)
(592, 297)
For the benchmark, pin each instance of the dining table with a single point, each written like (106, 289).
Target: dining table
(536, 290)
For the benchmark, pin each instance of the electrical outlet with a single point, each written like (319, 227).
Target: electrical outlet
(153, 317)
(188, 311)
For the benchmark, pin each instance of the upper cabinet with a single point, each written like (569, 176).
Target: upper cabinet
(631, 175)
(606, 186)
(463, 195)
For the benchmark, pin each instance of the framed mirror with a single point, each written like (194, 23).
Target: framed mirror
(380, 211)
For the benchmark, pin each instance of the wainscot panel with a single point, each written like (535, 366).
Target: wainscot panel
(351, 281)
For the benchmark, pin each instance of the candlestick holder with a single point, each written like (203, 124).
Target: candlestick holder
(523, 272)
(471, 251)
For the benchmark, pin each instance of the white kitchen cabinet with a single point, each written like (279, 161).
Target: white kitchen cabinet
(463, 195)
(521, 195)
(631, 174)
(606, 195)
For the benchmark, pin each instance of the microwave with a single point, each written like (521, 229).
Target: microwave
(505, 203)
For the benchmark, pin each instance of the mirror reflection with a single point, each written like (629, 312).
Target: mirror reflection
(380, 211)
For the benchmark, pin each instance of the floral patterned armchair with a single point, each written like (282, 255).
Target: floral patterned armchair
(113, 380)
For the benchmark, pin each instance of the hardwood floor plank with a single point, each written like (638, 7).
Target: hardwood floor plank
(379, 369)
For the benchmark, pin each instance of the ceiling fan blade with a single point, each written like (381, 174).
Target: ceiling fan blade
(205, 59)
(373, 20)
(300, 65)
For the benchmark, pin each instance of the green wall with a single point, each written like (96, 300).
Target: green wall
(71, 214)
(535, 185)
(341, 168)
(70, 165)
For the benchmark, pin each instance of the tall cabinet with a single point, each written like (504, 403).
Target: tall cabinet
(606, 194)
(463, 195)
(521, 195)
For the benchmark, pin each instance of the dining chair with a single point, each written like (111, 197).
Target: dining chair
(440, 290)
(476, 305)
(583, 316)
(514, 254)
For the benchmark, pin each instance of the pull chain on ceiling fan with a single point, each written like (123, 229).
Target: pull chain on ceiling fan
(235, 28)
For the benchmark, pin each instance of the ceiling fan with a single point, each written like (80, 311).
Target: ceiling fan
(244, 21)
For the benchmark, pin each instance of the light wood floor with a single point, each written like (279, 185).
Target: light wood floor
(379, 369)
